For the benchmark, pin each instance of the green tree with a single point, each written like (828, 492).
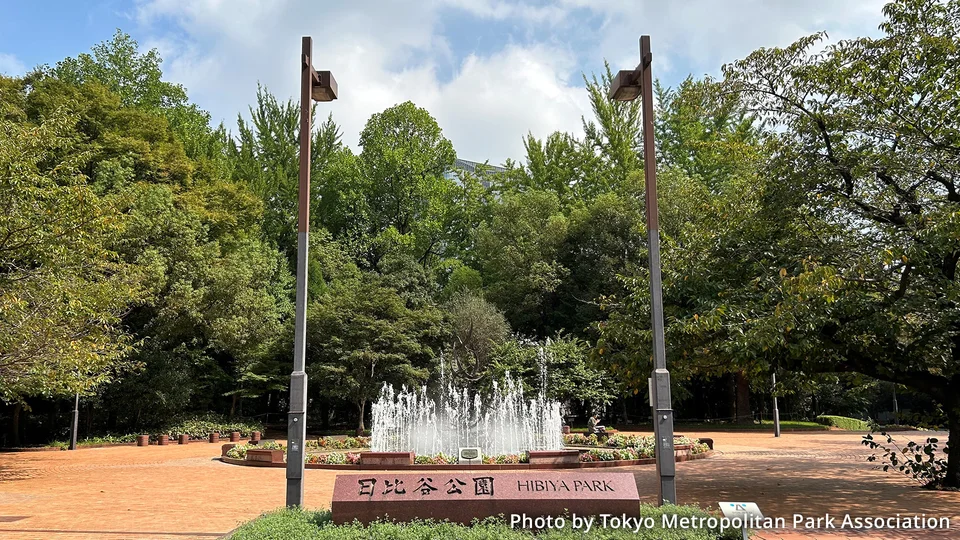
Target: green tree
(868, 153)
(476, 327)
(570, 376)
(404, 158)
(362, 334)
(517, 253)
(63, 291)
(706, 131)
(136, 78)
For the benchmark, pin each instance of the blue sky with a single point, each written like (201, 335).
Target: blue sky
(490, 71)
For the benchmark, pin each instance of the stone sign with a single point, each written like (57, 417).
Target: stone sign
(461, 496)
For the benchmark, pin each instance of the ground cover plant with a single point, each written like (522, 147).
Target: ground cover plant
(316, 525)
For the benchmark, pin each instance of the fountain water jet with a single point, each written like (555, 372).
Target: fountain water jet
(503, 423)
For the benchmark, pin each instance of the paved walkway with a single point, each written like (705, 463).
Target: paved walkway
(179, 492)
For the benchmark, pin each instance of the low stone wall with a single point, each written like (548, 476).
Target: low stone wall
(486, 467)
(554, 457)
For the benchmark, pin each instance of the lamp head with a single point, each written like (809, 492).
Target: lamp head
(324, 87)
(625, 86)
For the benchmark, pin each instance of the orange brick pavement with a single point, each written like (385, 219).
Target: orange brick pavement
(179, 492)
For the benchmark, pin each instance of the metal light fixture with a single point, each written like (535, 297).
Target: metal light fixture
(324, 86)
(625, 86)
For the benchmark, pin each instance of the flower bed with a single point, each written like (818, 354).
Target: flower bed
(614, 455)
(240, 451)
(506, 459)
(333, 458)
(336, 443)
(640, 442)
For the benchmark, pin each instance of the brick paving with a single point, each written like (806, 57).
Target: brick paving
(177, 492)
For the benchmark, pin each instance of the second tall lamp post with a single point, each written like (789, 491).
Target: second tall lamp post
(627, 86)
(314, 86)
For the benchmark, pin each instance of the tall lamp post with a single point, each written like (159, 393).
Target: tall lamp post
(314, 86)
(627, 86)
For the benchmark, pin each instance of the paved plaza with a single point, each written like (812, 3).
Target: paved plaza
(179, 492)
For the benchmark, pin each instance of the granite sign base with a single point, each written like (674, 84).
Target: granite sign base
(462, 496)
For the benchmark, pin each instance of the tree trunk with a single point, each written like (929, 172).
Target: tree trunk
(953, 458)
(731, 383)
(89, 422)
(233, 406)
(324, 414)
(743, 399)
(361, 406)
(15, 425)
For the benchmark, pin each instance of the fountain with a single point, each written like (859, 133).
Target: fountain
(504, 422)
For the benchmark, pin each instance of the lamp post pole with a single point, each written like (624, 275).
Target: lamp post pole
(76, 422)
(319, 87)
(627, 86)
(776, 411)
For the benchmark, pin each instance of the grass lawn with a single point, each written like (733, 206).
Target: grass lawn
(765, 425)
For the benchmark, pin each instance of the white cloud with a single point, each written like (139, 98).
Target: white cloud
(383, 52)
(10, 65)
(701, 35)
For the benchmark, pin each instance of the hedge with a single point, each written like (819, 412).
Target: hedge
(843, 422)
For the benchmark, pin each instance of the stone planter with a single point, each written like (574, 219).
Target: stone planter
(554, 457)
(226, 448)
(255, 437)
(268, 456)
(214, 437)
(143, 440)
(162, 440)
(235, 436)
(183, 439)
(382, 459)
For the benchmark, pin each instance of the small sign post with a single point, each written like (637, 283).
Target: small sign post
(745, 511)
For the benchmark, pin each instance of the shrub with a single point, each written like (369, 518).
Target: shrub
(843, 422)
(923, 462)
(309, 525)
(240, 451)
(95, 441)
(581, 439)
(699, 448)
(198, 427)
